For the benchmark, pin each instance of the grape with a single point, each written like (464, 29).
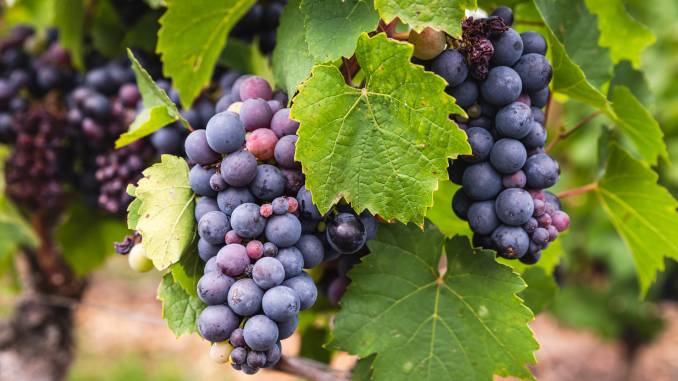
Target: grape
(530, 257)
(553, 232)
(337, 289)
(223, 104)
(307, 209)
(138, 260)
(514, 120)
(481, 182)
(215, 323)
(235, 89)
(7, 134)
(346, 233)
(294, 180)
(451, 65)
(456, 171)
(217, 182)
(268, 182)
(311, 249)
(244, 297)
(540, 236)
(248, 369)
(533, 42)
(129, 95)
(211, 265)
(231, 198)
(287, 328)
(213, 226)
(502, 86)
(539, 207)
(540, 97)
(541, 171)
(255, 249)
(511, 242)
(461, 203)
(261, 333)
(225, 132)
(97, 106)
(207, 250)
(282, 125)
(508, 156)
(283, 230)
(232, 259)
(198, 150)
(266, 210)
(255, 113)
(292, 261)
(514, 206)
(270, 249)
(237, 339)
(560, 220)
(280, 205)
(100, 80)
(239, 168)
(305, 288)
(280, 303)
(428, 44)
(466, 93)
(538, 115)
(482, 218)
(255, 87)
(531, 225)
(256, 359)
(552, 199)
(481, 142)
(220, 352)
(284, 152)
(213, 287)
(514, 180)
(544, 220)
(232, 237)
(536, 138)
(370, 224)
(261, 143)
(534, 70)
(168, 140)
(508, 48)
(504, 13)
(239, 355)
(247, 222)
(274, 353)
(268, 272)
(275, 106)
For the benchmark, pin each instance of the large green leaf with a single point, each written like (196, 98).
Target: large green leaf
(166, 221)
(107, 29)
(464, 323)
(180, 309)
(188, 270)
(86, 236)
(541, 288)
(247, 58)
(643, 212)
(383, 147)
(308, 34)
(441, 212)
(439, 14)
(191, 37)
(622, 34)
(69, 18)
(158, 111)
(144, 33)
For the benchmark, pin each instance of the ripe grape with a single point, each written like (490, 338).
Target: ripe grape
(268, 182)
(305, 288)
(292, 261)
(514, 120)
(510, 241)
(284, 152)
(502, 86)
(260, 332)
(213, 226)
(255, 113)
(481, 182)
(282, 125)
(451, 65)
(505, 13)
(225, 132)
(268, 272)
(346, 233)
(215, 323)
(239, 168)
(508, 48)
(255, 87)
(200, 180)
(534, 70)
(481, 143)
(541, 171)
(466, 93)
(281, 303)
(482, 217)
(232, 259)
(198, 150)
(508, 156)
(311, 249)
(514, 206)
(283, 230)
(213, 287)
(247, 221)
(244, 297)
(461, 203)
(233, 197)
(533, 42)
(207, 250)
(262, 143)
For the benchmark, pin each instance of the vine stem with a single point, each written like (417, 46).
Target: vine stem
(310, 369)
(577, 191)
(564, 134)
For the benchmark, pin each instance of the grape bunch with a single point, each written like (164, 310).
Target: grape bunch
(260, 22)
(500, 77)
(258, 227)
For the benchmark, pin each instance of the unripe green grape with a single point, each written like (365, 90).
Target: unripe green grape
(138, 260)
(221, 352)
(428, 44)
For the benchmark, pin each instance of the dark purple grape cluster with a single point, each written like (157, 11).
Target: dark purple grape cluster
(503, 194)
(260, 22)
(259, 229)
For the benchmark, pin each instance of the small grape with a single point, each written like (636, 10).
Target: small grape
(220, 352)
(560, 220)
(233, 197)
(504, 13)
(481, 143)
(256, 359)
(138, 260)
(280, 205)
(514, 180)
(217, 182)
(268, 182)
(270, 249)
(255, 249)
(541, 171)
(232, 237)
(307, 209)
(207, 250)
(239, 355)
(237, 339)
(466, 94)
(533, 42)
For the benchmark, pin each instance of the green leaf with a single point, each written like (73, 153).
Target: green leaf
(133, 208)
(626, 75)
(191, 37)
(86, 236)
(180, 309)
(441, 213)
(158, 111)
(69, 18)
(155, 4)
(622, 34)
(247, 58)
(384, 147)
(439, 14)
(166, 221)
(541, 289)
(643, 213)
(188, 270)
(107, 29)
(362, 371)
(465, 323)
(308, 35)
(144, 33)
(38, 13)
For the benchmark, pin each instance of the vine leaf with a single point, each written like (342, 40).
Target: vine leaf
(643, 213)
(188, 270)
(179, 309)
(133, 208)
(569, 78)
(247, 58)
(383, 147)
(191, 37)
(627, 42)
(69, 18)
(441, 214)
(165, 213)
(541, 288)
(427, 324)
(158, 111)
(439, 14)
(308, 35)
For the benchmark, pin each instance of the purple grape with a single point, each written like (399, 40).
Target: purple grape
(461, 203)
(247, 221)
(213, 226)
(284, 152)
(508, 156)
(292, 261)
(244, 297)
(232, 197)
(216, 323)
(198, 150)
(510, 242)
(207, 250)
(514, 180)
(225, 133)
(232, 259)
(451, 65)
(305, 288)
(514, 206)
(282, 125)
(217, 182)
(280, 303)
(283, 230)
(255, 113)
(255, 87)
(482, 217)
(239, 168)
(268, 272)
(346, 233)
(237, 339)
(268, 182)
(213, 287)
(261, 333)
(312, 250)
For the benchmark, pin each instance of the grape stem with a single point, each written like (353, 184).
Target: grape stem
(400, 36)
(563, 134)
(310, 369)
(577, 191)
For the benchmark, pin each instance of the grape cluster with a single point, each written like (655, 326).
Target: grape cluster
(260, 22)
(503, 194)
(258, 227)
